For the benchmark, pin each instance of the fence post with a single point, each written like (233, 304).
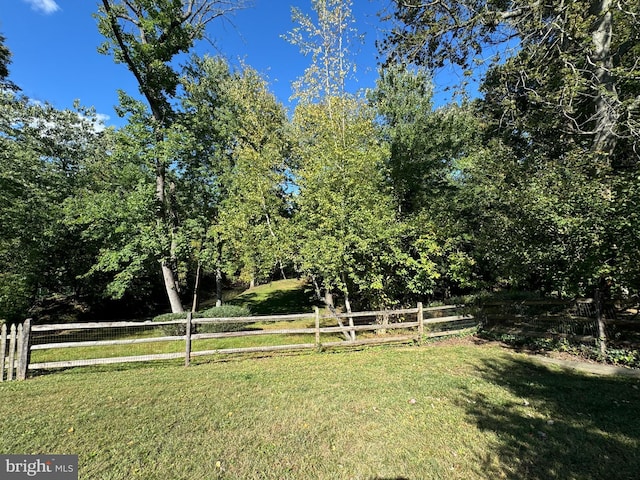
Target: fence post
(385, 323)
(420, 315)
(317, 319)
(602, 334)
(19, 333)
(3, 350)
(187, 336)
(12, 351)
(24, 350)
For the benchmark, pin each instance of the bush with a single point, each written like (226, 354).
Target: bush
(215, 312)
(221, 312)
(173, 330)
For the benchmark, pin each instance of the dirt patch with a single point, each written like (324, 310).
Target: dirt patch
(589, 367)
(562, 359)
(466, 341)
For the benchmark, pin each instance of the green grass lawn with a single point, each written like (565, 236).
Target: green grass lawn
(450, 412)
(278, 297)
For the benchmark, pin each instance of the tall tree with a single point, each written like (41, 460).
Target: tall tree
(42, 156)
(574, 61)
(343, 203)
(255, 213)
(426, 145)
(344, 211)
(332, 40)
(560, 105)
(147, 37)
(116, 207)
(239, 158)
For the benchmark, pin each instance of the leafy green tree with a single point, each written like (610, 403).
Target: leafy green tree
(116, 208)
(5, 61)
(574, 62)
(343, 208)
(560, 114)
(42, 153)
(147, 37)
(344, 212)
(239, 158)
(426, 145)
(254, 214)
(210, 117)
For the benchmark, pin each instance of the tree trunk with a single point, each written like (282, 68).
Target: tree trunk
(316, 287)
(347, 306)
(273, 235)
(196, 287)
(328, 298)
(602, 334)
(605, 97)
(164, 219)
(218, 287)
(170, 286)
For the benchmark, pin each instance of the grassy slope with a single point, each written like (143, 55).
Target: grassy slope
(479, 412)
(278, 297)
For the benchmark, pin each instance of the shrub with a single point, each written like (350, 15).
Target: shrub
(172, 330)
(221, 312)
(215, 312)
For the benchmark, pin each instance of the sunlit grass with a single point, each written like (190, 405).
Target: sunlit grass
(460, 412)
(177, 346)
(278, 297)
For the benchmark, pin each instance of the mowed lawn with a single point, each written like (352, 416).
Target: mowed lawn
(451, 411)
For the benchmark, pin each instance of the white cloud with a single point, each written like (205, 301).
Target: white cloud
(44, 6)
(101, 121)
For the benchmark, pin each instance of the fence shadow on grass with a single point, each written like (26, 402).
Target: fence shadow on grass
(564, 425)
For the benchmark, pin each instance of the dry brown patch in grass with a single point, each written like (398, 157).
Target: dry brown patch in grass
(466, 341)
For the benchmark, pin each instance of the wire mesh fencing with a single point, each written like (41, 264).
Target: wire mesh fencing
(98, 343)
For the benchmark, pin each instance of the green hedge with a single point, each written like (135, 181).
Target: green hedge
(223, 311)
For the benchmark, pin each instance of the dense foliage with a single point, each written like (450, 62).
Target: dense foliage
(379, 199)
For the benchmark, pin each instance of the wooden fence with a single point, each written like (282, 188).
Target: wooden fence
(360, 328)
(573, 320)
(14, 351)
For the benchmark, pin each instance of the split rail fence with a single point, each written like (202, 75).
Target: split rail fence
(73, 345)
(572, 320)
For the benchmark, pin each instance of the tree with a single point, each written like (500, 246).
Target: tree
(426, 145)
(331, 39)
(255, 212)
(560, 112)
(210, 117)
(147, 37)
(115, 207)
(42, 155)
(239, 158)
(5, 61)
(566, 62)
(343, 209)
(344, 212)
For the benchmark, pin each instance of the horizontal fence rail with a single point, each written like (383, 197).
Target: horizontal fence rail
(575, 321)
(54, 346)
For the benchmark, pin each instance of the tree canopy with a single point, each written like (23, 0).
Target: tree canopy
(572, 63)
(379, 199)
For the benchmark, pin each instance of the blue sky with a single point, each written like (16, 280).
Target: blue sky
(54, 44)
